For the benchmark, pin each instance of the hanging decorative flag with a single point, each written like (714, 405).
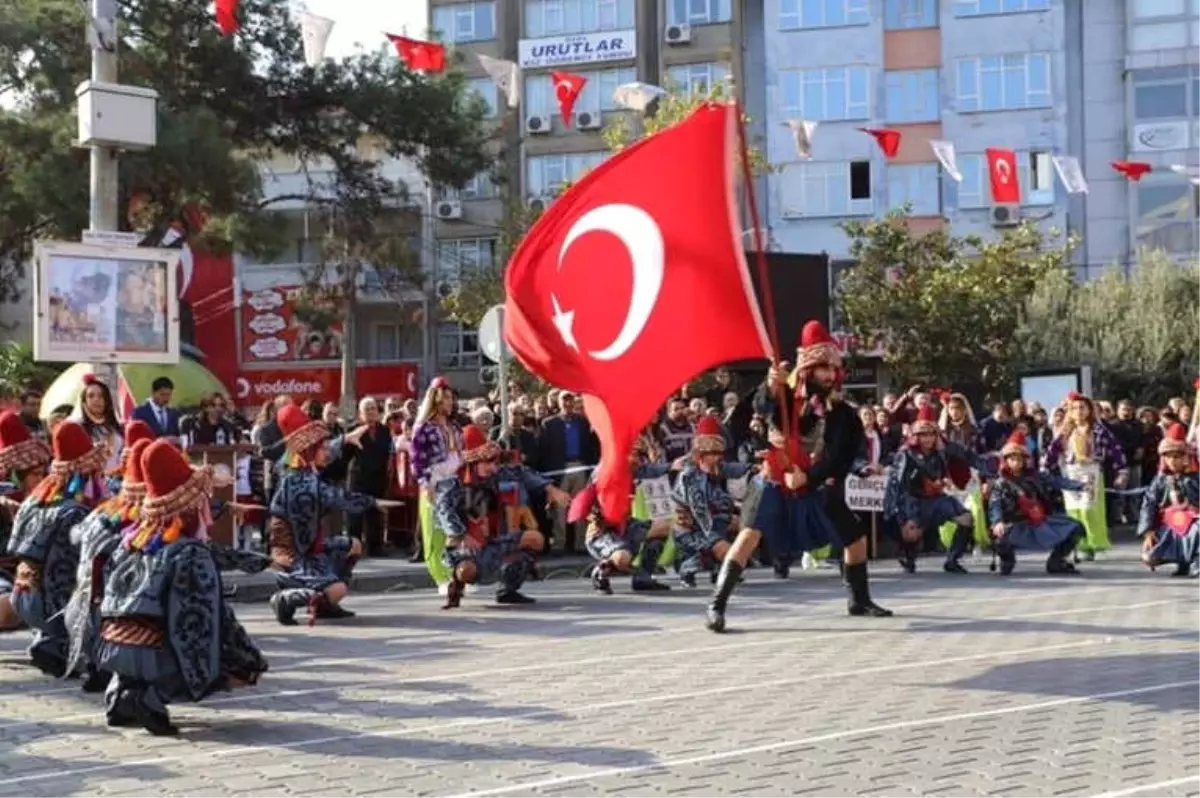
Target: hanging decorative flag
(888, 139)
(802, 135)
(1192, 173)
(315, 31)
(506, 75)
(125, 398)
(944, 150)
(637, 96)
(1002, 168)
(1070, 173)
(567, 87)
(1133, 170)
(418, 54)
(227, 19)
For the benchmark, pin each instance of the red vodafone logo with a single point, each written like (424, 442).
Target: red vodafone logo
(325, 384)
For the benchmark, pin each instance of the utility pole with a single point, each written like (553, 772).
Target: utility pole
(104, 190)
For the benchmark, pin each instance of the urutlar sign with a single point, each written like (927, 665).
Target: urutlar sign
(580, 48)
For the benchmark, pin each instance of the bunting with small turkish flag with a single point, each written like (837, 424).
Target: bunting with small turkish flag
(418, 54)
(227, 19)
(567, 88)
(887, 139)
(1133, 170)
(634, 281)
(1002, 168)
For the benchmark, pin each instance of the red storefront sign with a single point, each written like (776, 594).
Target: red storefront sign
(324, 383)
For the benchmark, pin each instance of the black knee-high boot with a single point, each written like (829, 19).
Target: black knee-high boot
(908, 556)
(860, 593)
(727, 580)
(643, 575)
(958, 547)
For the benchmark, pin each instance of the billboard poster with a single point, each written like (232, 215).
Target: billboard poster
(288, 324)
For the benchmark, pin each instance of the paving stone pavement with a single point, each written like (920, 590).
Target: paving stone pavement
(1031, 685)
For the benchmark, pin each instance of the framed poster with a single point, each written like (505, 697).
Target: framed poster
(105, 304)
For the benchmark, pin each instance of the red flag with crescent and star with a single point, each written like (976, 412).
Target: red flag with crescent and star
(1002, 167)
(418, 54)
(634, 281)
(567, 88)
(227, 16)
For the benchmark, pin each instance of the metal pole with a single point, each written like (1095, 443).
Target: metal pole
(104, 196)
(502, 378)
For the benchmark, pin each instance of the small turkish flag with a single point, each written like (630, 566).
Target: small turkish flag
(1133, 170)
(125, 398)
(1002, 167)
(567, 87)
(227, 16)
(888, 139)
(418, 54)
(634, 281)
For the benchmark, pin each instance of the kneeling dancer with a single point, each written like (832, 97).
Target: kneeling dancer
(23, 461)
(166, 631)
(488, 537)
(1168, 520)
(830, 435)
(1021, 512)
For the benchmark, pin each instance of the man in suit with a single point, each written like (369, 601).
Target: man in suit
(156, 412)
(567, 443)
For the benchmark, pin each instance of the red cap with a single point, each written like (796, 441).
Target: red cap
(164, 468)
(290, 419)
(71, 441)
(138, 430)
(12, 430)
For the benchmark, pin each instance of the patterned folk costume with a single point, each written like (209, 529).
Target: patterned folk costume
(308, 563)
(41, 541)
(1168, 521)
(436, 454)
(23, 461)
(166, 631)
(1025, 502)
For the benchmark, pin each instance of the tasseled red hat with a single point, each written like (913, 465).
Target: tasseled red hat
(138, 430)
(173, 485)
(476, 446)
(1015, 445)
(300, 433)
(926, 422)
(1174, 441)
(708, 438)
(74, 451)
(19, 450)
(817, 347)
(133, 482)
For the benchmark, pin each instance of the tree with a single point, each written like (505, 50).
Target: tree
(943, 308)
(19, 371)
(1137, 330)
(224, 104)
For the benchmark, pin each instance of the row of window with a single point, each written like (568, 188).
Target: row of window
(458, 345)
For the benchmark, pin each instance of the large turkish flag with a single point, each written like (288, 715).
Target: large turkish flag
(634, 281)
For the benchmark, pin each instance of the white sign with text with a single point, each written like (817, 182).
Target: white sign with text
(577, 48)
(865, 494)
(657, 494)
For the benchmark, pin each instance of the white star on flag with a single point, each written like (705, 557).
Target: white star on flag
(315, 33)
(1192, 173)
(802, 133)
(944, 150)
(1070, 173)
(506, 75)
(637, 95)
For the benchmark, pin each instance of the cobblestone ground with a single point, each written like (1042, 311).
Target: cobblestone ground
(1032, 685)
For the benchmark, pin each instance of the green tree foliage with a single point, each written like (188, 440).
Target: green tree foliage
(943, 308)
(19, 371)
(1137, 331)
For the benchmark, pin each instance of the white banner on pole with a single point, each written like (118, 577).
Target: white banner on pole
(315, 31)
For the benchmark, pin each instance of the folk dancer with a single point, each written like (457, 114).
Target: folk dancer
(1168, 522)
(1084, 450)
(166, 632)
(312, 571)
(23, 461)
(136, 430)
(41, 540)
(826, 435)
(1022, 511)
(915, 496)
(957, 424)
(436, 456)
(616, 548)
(706, 515)
(490, 536)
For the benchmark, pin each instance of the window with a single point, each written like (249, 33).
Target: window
(597, 94)
(1166, 93)
(385, 341)
(919, 184)
(556, 17)
(458, 346)
(912, 96)
(485, 88)
(1152, 9)
(1035, 171)
(975, 8)
(827, 95)
(900, 14)
(460, 23)
(797, 14)
(1004, 82)
(459, 256)
(545, 174)
(481, 186)
(1162, 24)
(697, 78)
(833, 189)
(1167, 217)
(698, 12)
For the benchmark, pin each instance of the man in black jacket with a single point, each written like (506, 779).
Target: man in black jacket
(567, 443)
(369, 472)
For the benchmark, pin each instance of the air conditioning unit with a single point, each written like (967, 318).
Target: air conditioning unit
(537, 124)
(586, 120)
(444, 289)
(449, 209)
(1006, 215)
(678, 34)
(537, 204)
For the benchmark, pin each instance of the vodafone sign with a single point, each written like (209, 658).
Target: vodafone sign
(324, 384)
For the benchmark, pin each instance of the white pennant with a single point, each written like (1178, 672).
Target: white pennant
(506, 75)
(1192, 173)
(637, 95)
(1070, 173)
(944, 151)
(315, 32)
(802, 134)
